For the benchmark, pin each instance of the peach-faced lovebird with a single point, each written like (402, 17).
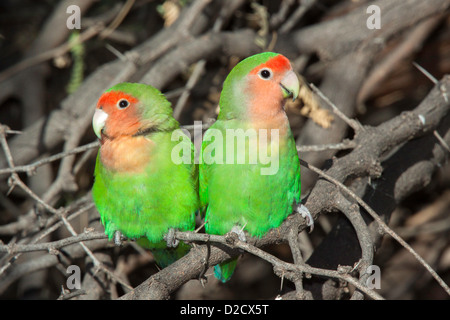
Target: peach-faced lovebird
(139, 190)
(250, 171)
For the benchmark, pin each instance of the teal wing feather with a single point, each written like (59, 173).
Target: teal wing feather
(164, 256)
(224, 271)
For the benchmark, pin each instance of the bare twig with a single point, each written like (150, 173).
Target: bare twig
(298, 259)
(52, 53)
(118, 19)
(441, 140)
(73, 294)
(97, 263)
(30, 168)
(381, 224)
(354, 124)
(193, 79)
(303, 7)
(49, 246)
(288, 267)
(344, 145)
(412, 43)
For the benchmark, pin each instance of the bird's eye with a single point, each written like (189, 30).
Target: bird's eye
(265, 74)
(122, 104)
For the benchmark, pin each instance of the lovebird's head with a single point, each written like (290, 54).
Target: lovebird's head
(258, 84)
(131, 109)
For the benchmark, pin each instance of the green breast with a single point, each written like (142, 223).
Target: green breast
(257, 195)
(148, 204)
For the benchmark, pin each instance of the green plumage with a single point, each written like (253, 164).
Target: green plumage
(164, 195)
(239, 194)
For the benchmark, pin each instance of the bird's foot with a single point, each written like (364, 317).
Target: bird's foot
(118, 238)
(300, 208)
(240, 233)
(171, 241)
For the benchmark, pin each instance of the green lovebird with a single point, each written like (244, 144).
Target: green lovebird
(142, 188)
(249, 171)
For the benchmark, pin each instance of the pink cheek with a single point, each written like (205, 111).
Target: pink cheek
(126, 124)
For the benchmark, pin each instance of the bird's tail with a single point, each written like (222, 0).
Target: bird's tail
(224, 271)
(165, 256)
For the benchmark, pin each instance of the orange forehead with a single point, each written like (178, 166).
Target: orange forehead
(277, 64)
(120, 122)
(112, 97)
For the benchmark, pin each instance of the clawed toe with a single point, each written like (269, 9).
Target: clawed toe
(240, 232)
(300, 208)
(171, 241)
(118, 238)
